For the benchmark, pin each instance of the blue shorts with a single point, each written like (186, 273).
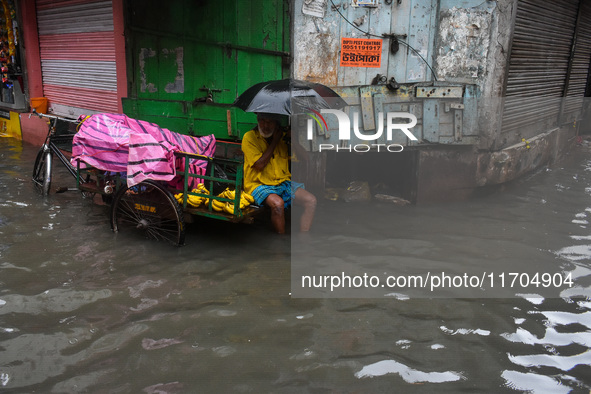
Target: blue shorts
(285, 190)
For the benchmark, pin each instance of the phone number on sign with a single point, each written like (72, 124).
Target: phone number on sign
(441, 280)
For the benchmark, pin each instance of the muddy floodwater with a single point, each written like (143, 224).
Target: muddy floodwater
(84, 310)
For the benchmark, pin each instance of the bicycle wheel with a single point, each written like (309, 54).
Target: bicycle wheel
(151, 209)
(42, 171)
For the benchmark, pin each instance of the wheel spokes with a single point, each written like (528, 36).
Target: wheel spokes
(149, 208)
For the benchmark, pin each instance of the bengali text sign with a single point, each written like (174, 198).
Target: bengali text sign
(361, 52)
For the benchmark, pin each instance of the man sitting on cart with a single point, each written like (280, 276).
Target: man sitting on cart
(267, 176)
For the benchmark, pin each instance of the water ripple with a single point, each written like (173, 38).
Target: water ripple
(54, 300)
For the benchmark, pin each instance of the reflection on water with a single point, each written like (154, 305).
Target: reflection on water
(559, 352)
(409, 375)
(85, 310)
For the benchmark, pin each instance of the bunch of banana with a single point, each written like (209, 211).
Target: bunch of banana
(228, 207)
(194, 201)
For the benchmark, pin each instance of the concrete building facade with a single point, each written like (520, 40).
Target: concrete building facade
(498, 87)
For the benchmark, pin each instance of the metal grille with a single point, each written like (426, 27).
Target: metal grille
(538, 68)
(89, 75)
(78, 18)
(77, 51)
(579, 70)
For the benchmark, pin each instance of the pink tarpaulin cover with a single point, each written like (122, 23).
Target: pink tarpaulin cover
(143, 150)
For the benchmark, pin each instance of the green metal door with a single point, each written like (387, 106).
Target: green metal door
(189, 59)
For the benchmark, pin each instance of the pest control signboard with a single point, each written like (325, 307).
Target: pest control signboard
(361, 52)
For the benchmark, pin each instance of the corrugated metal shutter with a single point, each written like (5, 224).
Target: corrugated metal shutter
(539, 63)
(579, 71)
(77, 51)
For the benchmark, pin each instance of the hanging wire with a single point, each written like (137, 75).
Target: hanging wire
(374, 35)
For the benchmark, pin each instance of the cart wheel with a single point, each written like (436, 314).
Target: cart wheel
(150, 208)
(42, 171)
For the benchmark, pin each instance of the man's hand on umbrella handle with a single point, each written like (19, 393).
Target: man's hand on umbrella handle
(262, 162)
(277, 135)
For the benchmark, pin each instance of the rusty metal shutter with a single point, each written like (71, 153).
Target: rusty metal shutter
(538, 66)
(77, 51)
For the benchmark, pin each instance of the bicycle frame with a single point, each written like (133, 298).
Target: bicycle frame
(43, 165)
(57, 152)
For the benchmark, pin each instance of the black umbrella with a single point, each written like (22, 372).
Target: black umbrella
(276, 97)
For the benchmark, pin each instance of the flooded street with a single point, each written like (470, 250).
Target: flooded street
(85, 310)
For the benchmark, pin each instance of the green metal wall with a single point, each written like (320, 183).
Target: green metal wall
(182, 51)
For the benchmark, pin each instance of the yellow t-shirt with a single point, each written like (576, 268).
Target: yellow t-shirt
(274, 173)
